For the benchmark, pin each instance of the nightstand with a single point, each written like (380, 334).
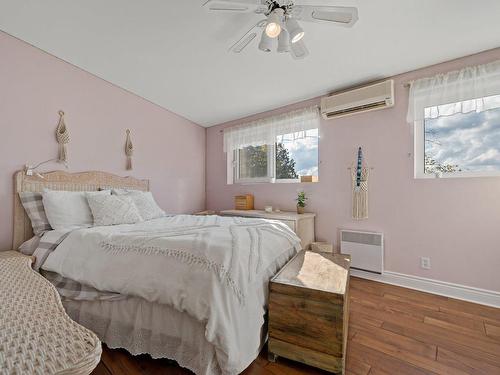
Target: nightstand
(309, 310)
(301, 224)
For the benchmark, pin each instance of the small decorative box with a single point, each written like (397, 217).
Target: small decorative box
(243, 202)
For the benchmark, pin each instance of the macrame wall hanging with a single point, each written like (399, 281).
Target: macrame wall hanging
(360, 188)
(62, 137)
(129, 150)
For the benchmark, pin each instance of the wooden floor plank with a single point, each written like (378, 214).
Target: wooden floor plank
(356, 365)
(101, 369)
(364, 320)
(400, 342)
(406, 355)
(457, 328)
(385, 314)
(476, 324)
(412, 301)
(444, 334)
(392, 305)
(382, 361)
(442, 339)
(469, 365)
(472, 310)
(492, 331)
(392, 330)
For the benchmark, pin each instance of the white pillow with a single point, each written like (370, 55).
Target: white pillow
(146, 204)
(113, 209)
(69, 209)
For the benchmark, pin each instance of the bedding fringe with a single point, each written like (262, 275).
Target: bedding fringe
(184, 257)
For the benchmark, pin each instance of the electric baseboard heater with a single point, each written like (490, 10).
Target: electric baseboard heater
(366, 249)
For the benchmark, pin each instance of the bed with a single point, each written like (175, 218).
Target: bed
(188, 288)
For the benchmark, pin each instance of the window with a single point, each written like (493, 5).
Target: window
(280, 148)
(291, 156)
(457, 122)
(458, 144)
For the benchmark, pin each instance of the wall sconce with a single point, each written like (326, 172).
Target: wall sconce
(30, 170)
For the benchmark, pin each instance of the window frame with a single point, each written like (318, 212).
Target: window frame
(419, 159)
(271, 169)
(233, 163)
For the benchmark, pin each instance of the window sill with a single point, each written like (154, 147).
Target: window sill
(277, 182)
(437, 176)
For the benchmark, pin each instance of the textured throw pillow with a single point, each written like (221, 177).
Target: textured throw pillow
(69, 209)
(33, 205)
(113, 209)
(146, 204)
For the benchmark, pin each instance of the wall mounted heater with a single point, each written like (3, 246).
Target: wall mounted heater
(366, 249)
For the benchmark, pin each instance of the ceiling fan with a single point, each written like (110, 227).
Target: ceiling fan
(280, 29)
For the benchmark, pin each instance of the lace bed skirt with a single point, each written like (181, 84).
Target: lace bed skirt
(142, 327)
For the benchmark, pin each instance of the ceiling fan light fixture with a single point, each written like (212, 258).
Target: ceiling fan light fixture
(283, 41)
(274, 23)
(266, 43)
(296, 32)
(299, 50)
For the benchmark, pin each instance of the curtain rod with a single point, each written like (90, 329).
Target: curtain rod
(311, 106)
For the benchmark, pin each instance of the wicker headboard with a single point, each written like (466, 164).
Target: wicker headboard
(61, 180)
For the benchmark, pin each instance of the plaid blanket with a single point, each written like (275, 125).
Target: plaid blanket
(67, 288)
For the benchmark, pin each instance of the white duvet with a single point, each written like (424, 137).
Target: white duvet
(213, 268)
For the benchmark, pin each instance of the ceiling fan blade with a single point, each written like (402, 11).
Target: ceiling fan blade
(247, 38)
(298, 50)
(343, 16)
(235, 6)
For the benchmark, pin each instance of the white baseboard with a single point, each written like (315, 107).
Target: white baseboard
(442, 288)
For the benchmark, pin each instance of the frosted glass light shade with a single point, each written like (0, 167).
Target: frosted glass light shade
(274, 22)
(283, 41)
(266, 43)
(296, 32)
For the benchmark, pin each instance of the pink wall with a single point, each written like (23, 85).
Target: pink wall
(453, 221)
(169, 150)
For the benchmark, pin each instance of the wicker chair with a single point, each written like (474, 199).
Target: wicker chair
(36, 335)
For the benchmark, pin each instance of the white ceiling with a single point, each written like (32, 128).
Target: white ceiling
(174, 53)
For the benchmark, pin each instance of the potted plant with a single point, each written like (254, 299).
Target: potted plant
(301, 202)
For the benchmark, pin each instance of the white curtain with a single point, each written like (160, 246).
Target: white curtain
(460, 91)
(264, 131)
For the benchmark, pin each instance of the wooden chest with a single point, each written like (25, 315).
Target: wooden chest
(309, 310)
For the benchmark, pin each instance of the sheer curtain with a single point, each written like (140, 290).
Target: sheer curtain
(264, 131)
(459, 91)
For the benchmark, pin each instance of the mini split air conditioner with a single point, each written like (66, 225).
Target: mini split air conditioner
(367, 98)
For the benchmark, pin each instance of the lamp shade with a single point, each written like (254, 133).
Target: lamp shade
(266, 43)
(274, 23)
(299, 50)
(296, 32)
(284, 41)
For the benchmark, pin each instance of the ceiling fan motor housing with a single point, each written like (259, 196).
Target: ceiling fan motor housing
(272, 5)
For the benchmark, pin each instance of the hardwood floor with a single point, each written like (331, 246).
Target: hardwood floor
(392, 330)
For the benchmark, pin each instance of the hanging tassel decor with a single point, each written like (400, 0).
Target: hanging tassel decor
(62, 137)
(360, 188)
(129, 150)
